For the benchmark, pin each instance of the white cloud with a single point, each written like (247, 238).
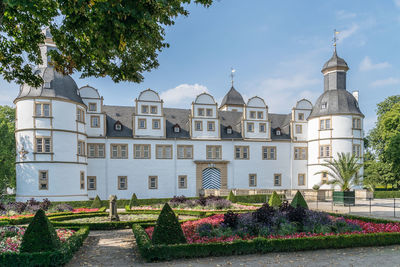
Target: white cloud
(348, 32)
(182, 95)
(366, 65)
(397, 3)
(385, 82)
(343, 14)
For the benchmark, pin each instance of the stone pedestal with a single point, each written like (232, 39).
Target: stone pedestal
(113, 208)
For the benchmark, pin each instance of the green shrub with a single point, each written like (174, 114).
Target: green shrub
(96, 204)
(40, 235)
(387, 194)
(134, 201)
(102, 209)
(275, 201)
(252, 198)
(168, 229)
(299, 200)
(231, 197)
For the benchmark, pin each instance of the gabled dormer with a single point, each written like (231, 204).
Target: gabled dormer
(255, 119)
(204, 118)
(94, 116)
(299, 125)
(148, 120)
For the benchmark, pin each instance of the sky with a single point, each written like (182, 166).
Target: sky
(277, 49)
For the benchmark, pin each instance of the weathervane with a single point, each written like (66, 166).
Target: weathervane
(335, 38)
(232, 75)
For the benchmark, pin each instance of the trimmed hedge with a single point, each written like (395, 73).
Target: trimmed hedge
(152, 252)
(252, 198)
(387, 194)
(275, 200)
(58, 257)
(168, 229)
(299, 200)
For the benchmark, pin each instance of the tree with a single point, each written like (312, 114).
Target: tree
(344, 171)
(120, 39)
(7, 147)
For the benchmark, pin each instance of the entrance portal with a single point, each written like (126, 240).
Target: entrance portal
(211, 178)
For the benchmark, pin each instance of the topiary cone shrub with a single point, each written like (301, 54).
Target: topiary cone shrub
(231, 197)
(168, 229)
(299, 201)
(40, 236)
(275, 201)
(96, 204)
(134, 201)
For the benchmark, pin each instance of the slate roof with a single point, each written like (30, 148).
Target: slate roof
(175, 116)
(335, 61)
(233, 97)
(55, 85)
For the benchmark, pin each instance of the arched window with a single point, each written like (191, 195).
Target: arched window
(118, 126)
(177, 128)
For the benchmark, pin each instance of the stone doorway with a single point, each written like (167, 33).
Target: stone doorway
(211, 174)
(211, 178)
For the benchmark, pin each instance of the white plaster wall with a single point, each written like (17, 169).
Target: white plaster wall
(25, 111)
(204, 133)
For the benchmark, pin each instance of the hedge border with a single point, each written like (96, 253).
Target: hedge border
(58, 257)
(151, 252)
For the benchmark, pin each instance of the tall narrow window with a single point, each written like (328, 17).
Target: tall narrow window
(302, 179)
(300, 116)
(324, 177)
(252, 180)
(153, 182)
(91, 182)
(182, 181)
(95, 121)
(122, 182)
(250, 127)
(356, 123)
(153, 109)
(198, 125)
(142, 123)
(269, 152)
(43, 145)
(252, 114)
(210, 126)
(80, 115)
(357, 150)
(209, 112)
(260, 115)
(145, 109)
(299, 129)
(81, 148)
(156, 124)
(200, 112)
(82, 180)
(263, 127)
(277, 179)
(43, 180)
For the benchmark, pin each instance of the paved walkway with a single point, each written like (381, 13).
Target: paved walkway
(116, 248)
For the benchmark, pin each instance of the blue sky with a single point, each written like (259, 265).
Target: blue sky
(277, 48)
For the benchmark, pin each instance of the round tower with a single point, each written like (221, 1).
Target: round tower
(50, 137)
(335, 124)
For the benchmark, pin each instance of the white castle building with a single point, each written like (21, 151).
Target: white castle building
(73, 147)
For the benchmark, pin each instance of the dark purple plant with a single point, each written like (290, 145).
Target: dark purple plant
(45, 204)
(231, 219)
(32, 202)
(18, 207)
(220, 203)
(178, 200)
(264, 214)
(297, 215)
(63, 207)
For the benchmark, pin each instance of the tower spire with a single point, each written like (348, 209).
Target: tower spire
(232, 75)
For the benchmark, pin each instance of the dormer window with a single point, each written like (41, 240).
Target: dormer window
(177, 128)
(118, 126)
(229, 130)
(324, 105)
(278, 131)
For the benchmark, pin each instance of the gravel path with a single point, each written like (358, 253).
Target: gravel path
(116, 248)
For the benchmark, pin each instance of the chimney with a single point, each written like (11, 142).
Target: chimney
(355, 94)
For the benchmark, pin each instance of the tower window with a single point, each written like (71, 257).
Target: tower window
(198, 125)
(252, 114)
(145, 109)
(356, 123)
(325, 124)
(43, 145)
(94, 121)
(153, 109)
(209, 112)
(263, 127)
(260, 115)
(300, 116)
(82, 178)
(299, 129)
(250, 127)
(229, 130)
(200, 112)
(324, 105)
(177, 129)
(42, 110)
(92, 106)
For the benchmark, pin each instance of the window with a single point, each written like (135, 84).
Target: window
(142, 151)
(242, 152)
(142, 123)
(153, 110)
(92, 106)
(324, 105)
(82, 180)
(252, 114)
(299, 129)
(214, 152)
(300, 153)
(153, 182)
(324, 177)
(43, 145)
(210, 126)
(177, 129)
(325, 151)
(122, 183)
(252, 180)
(325, 124)
(81, 148)
(250, 127)
(300, 116)
(357, 150)
(269, 152)
(42, 109)
(156, 124)
(80, 115)
(119, 151)
(301, 179)
(263, 127)
(96, 151)
(43, 180)
(277, 179)
(200, 112)
(163, 151)
(95, 121)
(185, 152)
(209, 112)
(356, 123)
(229, 130)
(145, 109)
(198, 125)
(91, 183)
(278, 131)
(182, 181)
(260, 115)
(118, 126)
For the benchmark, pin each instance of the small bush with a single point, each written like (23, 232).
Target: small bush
(168, 229)
(264, 214)
(96, 204)
(299, 200)
(231, 197)
(63, 207)
(231, 219)
(40, 235)
(275, 201)
(45, 204)
(134, 201)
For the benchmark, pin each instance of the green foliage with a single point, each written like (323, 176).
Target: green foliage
(252, 198)
(85, 40)
(57, 257)
(231, 197)
(134, 201)
(387, 194)
(344, 171)
(7, 147)
(168, 229)
(40, 236)
(102, 209)
(299, 200)
(275, 201)
(96, 204)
